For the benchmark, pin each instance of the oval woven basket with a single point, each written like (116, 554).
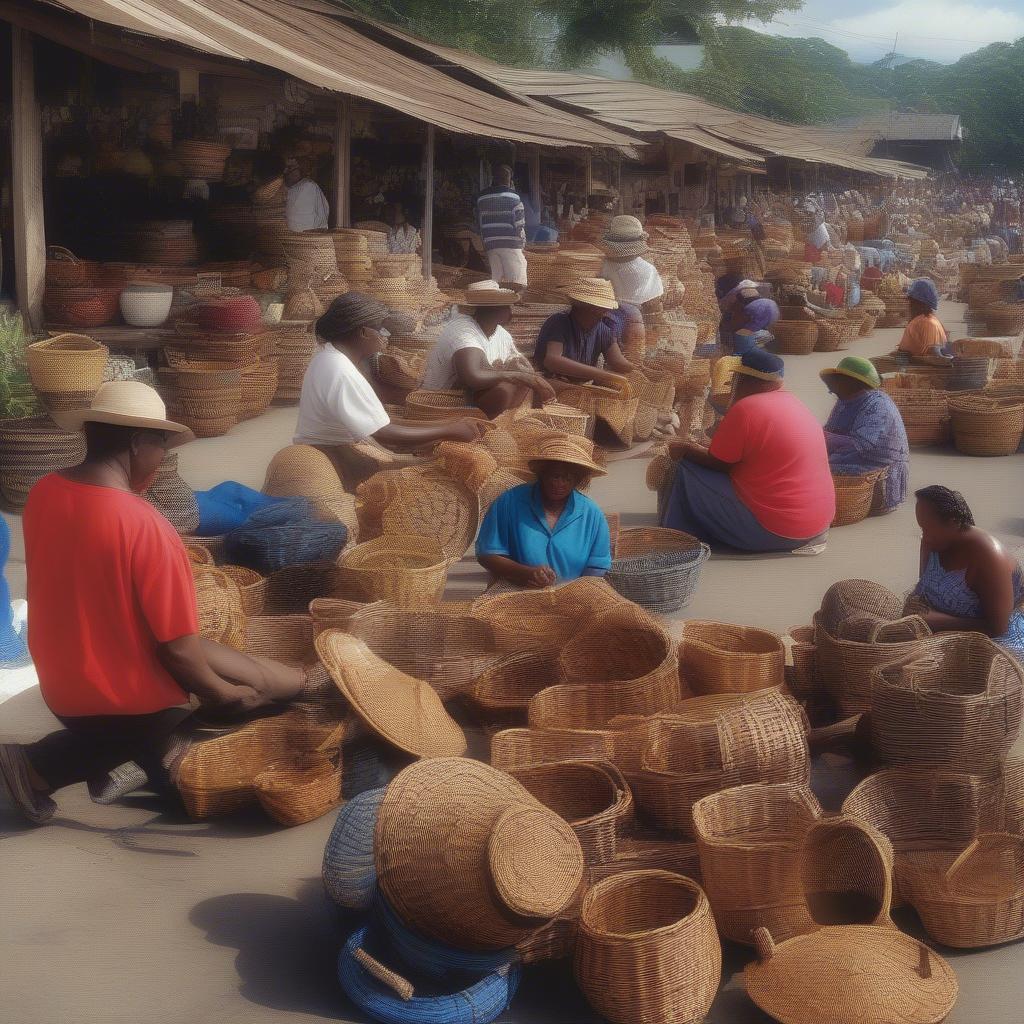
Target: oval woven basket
(517, 863)
(718, 657)
(66, 363)
(300, 787)
(795, 337)
(89, 306)
(749, 839)
(405, 570)
(657, 568)
(854, 496)
(647, 951)
(984, 427)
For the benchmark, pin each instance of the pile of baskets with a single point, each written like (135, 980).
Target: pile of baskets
(29, 450)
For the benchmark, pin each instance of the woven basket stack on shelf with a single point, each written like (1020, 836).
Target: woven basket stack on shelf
(29, 449)
(206, 397)
(295, 345)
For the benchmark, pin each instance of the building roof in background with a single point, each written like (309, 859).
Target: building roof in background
(895, 127)
(305, 41)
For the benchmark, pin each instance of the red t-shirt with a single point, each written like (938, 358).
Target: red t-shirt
(108, 580)
(779, 463)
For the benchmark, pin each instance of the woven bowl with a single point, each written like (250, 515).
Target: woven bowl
(718, 657)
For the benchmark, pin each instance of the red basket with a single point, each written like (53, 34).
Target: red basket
(239, 314)
(81, 307)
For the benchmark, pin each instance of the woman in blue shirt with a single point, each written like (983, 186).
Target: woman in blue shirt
(538, 534)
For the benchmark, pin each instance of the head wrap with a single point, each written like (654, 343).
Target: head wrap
(349, 312)
(759, 315)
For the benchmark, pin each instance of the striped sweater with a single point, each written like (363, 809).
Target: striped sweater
(501, 219)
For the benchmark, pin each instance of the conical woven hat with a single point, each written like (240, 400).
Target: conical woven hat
(593, 291)
(403, 710)
(301, 471)
(557, 447)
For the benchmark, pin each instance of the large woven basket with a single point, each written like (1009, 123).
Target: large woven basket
(66, 370)
(507, 686)
(854, 496)
(951, 701)
(795, 337)
(405, 570)
(647, 951)
(749, 839)
(836, 334)
(718, 657)
(300, 787)
(985, 427)
(524, 748)
(516, 863)
(925, 414)
(657, 568)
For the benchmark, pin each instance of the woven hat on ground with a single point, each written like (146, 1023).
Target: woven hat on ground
(481, 294)
(565, 448)
(592, 291)
(479, 879)
(126, 403)
(858, 368)
(403, 710)
(851, 974)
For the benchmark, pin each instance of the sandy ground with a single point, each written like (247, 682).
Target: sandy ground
(131, 913)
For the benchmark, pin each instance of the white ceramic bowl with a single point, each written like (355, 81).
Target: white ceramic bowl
(146, 305)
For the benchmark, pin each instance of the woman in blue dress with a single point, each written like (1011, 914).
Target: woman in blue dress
(968, 579)
(547, 532)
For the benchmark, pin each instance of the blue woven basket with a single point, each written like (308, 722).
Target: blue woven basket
(284, 534)
(479, 1004)
(661, 580)
(349, 873)
(432, 958)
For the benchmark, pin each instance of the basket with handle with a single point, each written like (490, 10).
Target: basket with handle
(718, 657)
(65, 270)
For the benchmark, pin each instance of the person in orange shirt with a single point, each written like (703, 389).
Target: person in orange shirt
(924, 338)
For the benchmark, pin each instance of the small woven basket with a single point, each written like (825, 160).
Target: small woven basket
(795, 337)
(854, 497)
(718, 657)
(300, 788)
(405, 570)
(657, 568)
(66, 363)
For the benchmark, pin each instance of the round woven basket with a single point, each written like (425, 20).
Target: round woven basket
(300, 787)
(985, 427)
(718, 657)
(91, 306)
(403, 569)
(854, 496)
(647, 951)
(749, 839)
(657, 568)
(66, 363)
(795, 337)
(517, 863)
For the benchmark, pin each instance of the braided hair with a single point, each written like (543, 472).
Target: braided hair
(950, 505)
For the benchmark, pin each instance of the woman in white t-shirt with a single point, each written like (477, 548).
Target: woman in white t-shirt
(635, 280)
(476, 353)
(339, 409)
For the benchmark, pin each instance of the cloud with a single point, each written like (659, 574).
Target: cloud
(941, 30)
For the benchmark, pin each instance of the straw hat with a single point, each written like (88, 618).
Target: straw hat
(592, 291)
(858, 368)
(126, 403)
(565, 448)
(488, 293)
(625, 237)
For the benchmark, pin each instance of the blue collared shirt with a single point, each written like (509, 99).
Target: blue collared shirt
(515, 526)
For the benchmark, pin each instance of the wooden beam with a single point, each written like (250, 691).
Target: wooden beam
(342, 205)
(427, 232)
(27, 161)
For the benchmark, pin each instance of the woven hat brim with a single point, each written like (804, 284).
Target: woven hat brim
(489, 299)
(593, 300)
(836, 372)
(582, 461)
(75, 419)
(625, 250)
(748, 371)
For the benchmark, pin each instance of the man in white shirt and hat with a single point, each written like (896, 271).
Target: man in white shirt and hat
(476, 352)
(634, 279)
(306, 206)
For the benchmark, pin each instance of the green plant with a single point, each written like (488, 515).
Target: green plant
(17, 399)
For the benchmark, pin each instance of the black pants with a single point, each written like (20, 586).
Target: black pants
(91, 746)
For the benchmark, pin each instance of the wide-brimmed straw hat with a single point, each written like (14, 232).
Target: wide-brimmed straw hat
(488, 293)
(126, 403)
(592, 291)
(625, 238)
(565, 448)
(858, 368)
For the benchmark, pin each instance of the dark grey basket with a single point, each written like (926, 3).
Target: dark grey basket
(663, 581)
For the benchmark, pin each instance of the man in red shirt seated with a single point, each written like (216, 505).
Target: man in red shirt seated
(114, 625)
(764, 484)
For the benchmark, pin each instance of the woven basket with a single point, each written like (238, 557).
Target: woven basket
(405, 570)
(952, 701)
(647, 951)
(846, 870)
(299, 788)
(984, 427)
(657, 568)
(348, 871)
(66, 363)
(591, 796)
(848, 599)
(854, 497)
(258, 387)
(516, 862)
(91, 306)
(616, 407)
(717, 657)
(834, 335)
(802, 677)
(525, 748)
(220, 607)
(508, 685)
(65, 270)
(925, 416)
(440, 405)
(795, 337)
(749, 839)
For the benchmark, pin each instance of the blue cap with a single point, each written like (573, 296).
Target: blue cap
(761, 364)
(925, 292)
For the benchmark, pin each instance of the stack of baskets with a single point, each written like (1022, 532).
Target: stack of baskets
(29, 449)
(295, 346)
(205, 397)
(66, 370)
(202, 159)
(985, 426)
(659, 569)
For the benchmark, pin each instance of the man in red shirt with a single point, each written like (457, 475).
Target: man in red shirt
(764, 484)
(114, 625)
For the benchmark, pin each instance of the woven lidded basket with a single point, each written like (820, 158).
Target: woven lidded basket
(657, 568)
(647, 951)
(718, 657)
(402, 569)
(516, 863)
(749, 839)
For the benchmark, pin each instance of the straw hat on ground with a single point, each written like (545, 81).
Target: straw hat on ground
(857, 367)
(126, 403)
(625, 238)
(488, 294)
(565, 448)
(592, 291)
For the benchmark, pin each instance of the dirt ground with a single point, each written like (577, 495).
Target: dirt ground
(130, 913)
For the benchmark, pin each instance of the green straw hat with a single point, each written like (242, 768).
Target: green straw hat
(858, 368)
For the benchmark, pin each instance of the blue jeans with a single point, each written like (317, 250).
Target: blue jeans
(704, 503)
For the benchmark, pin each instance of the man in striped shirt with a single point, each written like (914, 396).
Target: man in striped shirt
(501, 221)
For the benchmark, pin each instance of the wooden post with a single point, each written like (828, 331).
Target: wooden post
(618, 181)
(588, 179)
(427, 232)
(27, 161)
(535, 192)
(343, 164)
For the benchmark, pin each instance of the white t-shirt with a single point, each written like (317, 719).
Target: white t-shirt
(306, 207)
(635, 281)
(337, 404)
(463, 332)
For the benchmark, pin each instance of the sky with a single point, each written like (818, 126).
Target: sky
(940, 30)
